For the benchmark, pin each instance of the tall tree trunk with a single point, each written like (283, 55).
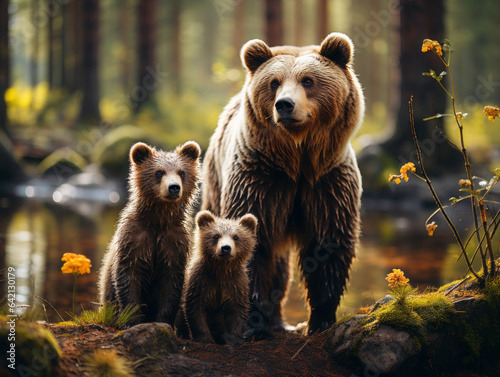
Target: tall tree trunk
(125, 63)
(322, 19)
(147, 51)
(274, 22)
(90, 84)
(176, 46)
(420, 19)
(297, 28)
(4, 61)
(239, 31)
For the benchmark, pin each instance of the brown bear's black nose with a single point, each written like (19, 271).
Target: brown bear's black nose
(285, 106)
(174, 188)
(226, 249)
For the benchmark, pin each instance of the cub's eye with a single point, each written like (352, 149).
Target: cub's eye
(307, 82)
(216, 237)
(182, 174)
(275, 84)
(159, 174)
(236, 238)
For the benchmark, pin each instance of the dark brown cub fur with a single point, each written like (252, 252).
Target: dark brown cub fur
(215, 299)
(146, 259)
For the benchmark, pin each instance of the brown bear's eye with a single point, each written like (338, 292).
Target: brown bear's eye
(216, 237)
(307, 82)
(182, 174)
(159, 174)
(236, 238)
(275, 84)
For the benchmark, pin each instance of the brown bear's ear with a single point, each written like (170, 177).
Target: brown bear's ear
(255, 53)
(250, 222)
(140, 152)
(204, 218)
(190, 150)
(338, 48)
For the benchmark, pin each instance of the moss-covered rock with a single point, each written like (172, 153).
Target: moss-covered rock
(31, 350)
(149, 338)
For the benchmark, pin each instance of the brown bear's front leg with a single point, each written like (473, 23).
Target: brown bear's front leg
(128, 290)
(330, 218)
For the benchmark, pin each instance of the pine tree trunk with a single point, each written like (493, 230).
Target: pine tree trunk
(274, 22)
(4, 61)
(90, 84)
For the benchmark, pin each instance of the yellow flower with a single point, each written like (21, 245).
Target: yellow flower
(430, 45)
(396, 278)
(410, 166)
(492, 112)
(75, 264)
(431, 228)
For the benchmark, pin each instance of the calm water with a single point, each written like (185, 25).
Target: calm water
(34, 234)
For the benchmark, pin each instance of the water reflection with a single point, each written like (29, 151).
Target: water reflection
(35, 235)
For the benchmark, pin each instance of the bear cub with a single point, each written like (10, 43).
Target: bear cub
(215, 300)
(146, 259)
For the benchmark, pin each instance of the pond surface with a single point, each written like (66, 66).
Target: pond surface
(34, 234)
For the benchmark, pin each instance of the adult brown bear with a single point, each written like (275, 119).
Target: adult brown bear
(282, 152)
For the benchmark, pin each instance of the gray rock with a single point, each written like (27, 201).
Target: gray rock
(345, 334)
(382, 301)
(149, 338)
(387, 350)
(464, 304)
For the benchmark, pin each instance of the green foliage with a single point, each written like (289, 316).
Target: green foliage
(107, 315)
(107, 363)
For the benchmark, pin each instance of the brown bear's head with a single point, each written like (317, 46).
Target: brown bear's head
(157, 176)
(226, 239)
(304, 90)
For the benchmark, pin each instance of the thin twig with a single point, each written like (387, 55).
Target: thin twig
(433, 192)
(48, 303)
(300, 349)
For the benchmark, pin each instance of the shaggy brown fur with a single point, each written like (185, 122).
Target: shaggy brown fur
(282, 152)
(146, 259)
(215, 298)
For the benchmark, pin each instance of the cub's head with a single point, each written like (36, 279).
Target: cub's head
(226, 239)
(158, 176)
(304, 90)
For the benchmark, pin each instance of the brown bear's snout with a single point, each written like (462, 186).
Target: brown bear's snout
(285, 107)
(225, 250)
(174, 189)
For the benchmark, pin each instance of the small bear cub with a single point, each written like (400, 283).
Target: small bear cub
(146, 259)
(215, 300)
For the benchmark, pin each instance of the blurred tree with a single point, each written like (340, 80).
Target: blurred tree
(274, 22)
(125, 61)
(147, 40)
(322, 19)
(4, 61)
(239, 31)
(176, 45)
(420, 19)
(90, 78)
(297, 27)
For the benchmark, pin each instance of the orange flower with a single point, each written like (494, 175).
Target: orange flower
(77, 264)
(492, 112)
(430, 45)
(397, 278)
(431, 228)
(410, 166)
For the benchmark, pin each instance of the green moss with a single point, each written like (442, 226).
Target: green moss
(435, 310)
(36, 350)
(445, 287)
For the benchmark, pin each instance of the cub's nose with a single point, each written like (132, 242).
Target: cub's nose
(285, 106)
(174, 189)
(225, 250)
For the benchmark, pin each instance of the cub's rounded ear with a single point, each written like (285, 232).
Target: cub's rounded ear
(255, 53)
(338, 48)
(204, 218)
(190, 150)
(250, 222)
(140, 152)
